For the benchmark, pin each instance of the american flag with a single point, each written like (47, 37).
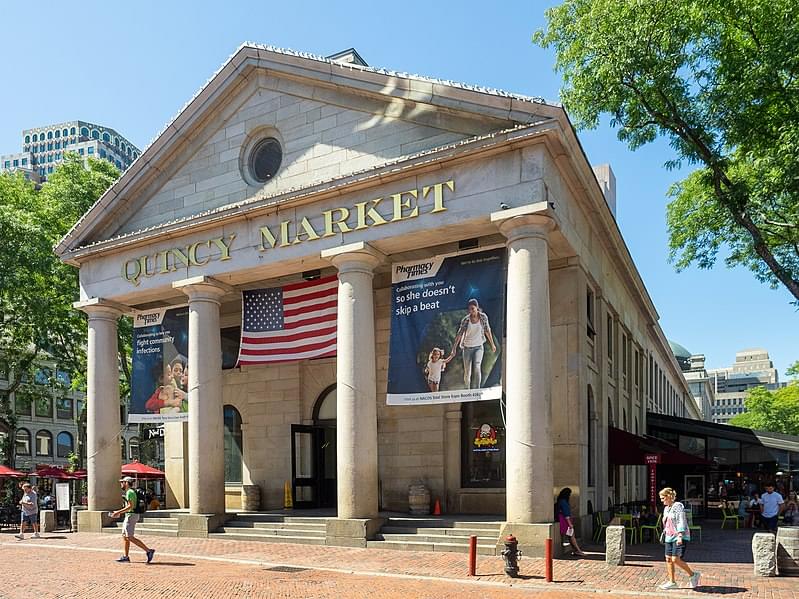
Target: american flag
(284, 324)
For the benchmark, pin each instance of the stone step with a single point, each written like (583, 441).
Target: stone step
(149, 525)
(424, 538)
(437, 523)
(277, 532)
(450, 532)
(239, 535)
(423, 546)
(277, 525)
(276, 518)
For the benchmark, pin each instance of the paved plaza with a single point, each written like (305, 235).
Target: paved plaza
(82, 565)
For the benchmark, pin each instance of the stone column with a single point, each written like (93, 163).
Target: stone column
(452, 457)
(103, 426)
(529, 475)
(206, 425)
(356, 382)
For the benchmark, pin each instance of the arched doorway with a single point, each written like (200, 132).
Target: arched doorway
(313, 455)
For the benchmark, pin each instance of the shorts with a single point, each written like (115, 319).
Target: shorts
(30, 518)
(770, 523)
(675, 550)
(129, 525)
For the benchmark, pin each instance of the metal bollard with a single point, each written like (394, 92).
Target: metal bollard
(472, 555)
(548, 560)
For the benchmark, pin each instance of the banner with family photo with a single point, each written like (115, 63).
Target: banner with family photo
(159, 385)
(447, 325)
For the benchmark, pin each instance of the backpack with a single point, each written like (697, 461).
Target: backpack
(141, 501)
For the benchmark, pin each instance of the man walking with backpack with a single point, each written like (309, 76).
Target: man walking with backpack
(132, 510)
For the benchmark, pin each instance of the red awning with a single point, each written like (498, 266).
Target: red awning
(7, 472)
(79, 474)
(627, 449)
(139, 470)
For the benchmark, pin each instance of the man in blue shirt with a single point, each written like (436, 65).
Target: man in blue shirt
(771, 506)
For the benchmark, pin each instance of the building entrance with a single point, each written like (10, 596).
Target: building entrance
(313, 456)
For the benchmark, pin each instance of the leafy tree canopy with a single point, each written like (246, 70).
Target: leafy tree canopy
(36, 288)
(776, 411)
(720, 80)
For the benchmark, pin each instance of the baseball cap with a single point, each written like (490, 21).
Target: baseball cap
(127, 479)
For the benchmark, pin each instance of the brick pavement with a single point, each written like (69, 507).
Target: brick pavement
(241, 569)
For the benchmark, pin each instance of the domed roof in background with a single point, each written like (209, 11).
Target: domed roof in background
(679, 351)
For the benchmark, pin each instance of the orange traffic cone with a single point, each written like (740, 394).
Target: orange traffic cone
(437, 508)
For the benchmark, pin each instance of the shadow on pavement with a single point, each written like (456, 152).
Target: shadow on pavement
(720, 590)
(171, 564)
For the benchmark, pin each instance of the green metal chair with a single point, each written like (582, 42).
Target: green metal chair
(629, 526)
(692, 527)
(655, 529)
(600, 526)
(728, 514)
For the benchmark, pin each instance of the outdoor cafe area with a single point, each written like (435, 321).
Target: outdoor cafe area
(62, 491)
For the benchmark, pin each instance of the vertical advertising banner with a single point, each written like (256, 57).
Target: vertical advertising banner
(159, 386)
(447, 325)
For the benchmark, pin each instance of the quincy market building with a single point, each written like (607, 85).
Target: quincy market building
(287, 165)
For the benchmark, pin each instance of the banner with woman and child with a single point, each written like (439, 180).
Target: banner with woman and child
(447, 325)
(159, 381)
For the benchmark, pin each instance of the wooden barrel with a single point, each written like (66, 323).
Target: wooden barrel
(250, 498)
(419, 499)
(788, 551)
(74, 517)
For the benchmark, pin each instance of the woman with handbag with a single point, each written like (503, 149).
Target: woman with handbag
(676, 536)
(564, 514)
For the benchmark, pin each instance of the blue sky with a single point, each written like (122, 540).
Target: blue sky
(132, 66)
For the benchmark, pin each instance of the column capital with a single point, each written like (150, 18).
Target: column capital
(204, 288)
(99, 308)
(533, 220)
(354, 257)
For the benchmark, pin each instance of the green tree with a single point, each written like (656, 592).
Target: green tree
(776, 411)
(36, 288)
(720, 80)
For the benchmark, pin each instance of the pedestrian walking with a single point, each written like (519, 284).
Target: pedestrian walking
(131, 500)
(676, 536)
(30, 511)
(564, 514)
(771, 505)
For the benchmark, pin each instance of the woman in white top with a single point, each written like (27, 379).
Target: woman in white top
(472, 334)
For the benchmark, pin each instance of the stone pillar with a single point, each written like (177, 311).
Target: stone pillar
(529, 475)
(176, 462)
(615, 545)
(103, 459)
(356, 382)
(452, 458)
(764, 554)
(206, 426)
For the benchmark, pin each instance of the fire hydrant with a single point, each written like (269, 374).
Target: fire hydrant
(511, 555)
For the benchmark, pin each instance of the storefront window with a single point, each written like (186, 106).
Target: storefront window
(232, 445)
(231, 338)
(693, 445)
(483, 442)
(723, 452)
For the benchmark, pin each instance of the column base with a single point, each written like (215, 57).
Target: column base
(198, 526)
(531, 538)
(352, 532)
(93, 520)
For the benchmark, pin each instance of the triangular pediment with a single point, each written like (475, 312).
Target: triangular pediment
(330, 121)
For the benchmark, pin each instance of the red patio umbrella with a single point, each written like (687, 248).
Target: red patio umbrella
(138, 470)
(51, 472)
(5, 471)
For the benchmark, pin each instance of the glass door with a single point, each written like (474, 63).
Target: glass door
(695, 493)
(304, 466)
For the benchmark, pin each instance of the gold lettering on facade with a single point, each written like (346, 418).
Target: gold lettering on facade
(362, 215)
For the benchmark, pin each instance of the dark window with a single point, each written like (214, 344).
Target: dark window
(123, 449)
(106, 137)
(265, 159)
(84, 132)
(590, 303)
(72, 131)
(95, 134)
(590, 430)
(233, 445)
(231, 338)
(64, 444)
(63, 408)
(44, 406)
(483, 445)
(58, 134)
(44, 443)
(133, 449)
(49, 135)
(23, 442)
(65, 133)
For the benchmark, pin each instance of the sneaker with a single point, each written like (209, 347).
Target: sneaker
(21, 537)
(150, 554)
(36, 535)
(123, 559)
(668, 585)
(693, 582)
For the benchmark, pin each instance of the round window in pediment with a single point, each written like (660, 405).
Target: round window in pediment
(265, 158)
